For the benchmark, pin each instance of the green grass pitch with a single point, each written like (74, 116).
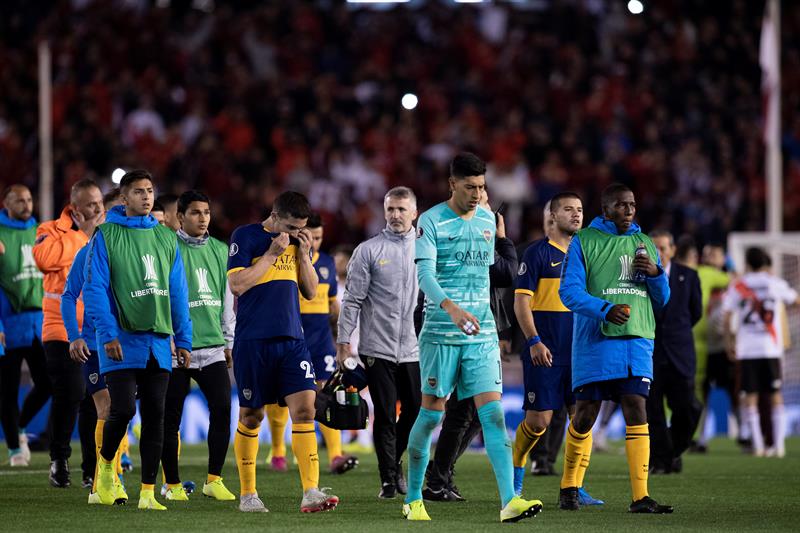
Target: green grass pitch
(721, 491)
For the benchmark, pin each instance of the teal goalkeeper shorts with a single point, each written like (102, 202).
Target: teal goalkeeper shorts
(471, 368)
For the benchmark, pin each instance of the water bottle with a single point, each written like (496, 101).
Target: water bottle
(352, 396)
(639, 276)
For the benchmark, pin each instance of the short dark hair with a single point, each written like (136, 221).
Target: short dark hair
(167, 199)
(610, 193)
(314, 221)
(157, 207)
(684, 245)
(556, 200)
(292, 204)
(467, 164)
(186, 199)
(81, 185)
(132, 176)
(111, 196)
(656, 233)
(757, 258)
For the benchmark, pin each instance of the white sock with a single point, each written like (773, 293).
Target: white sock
(744, 426)
(779, 428)
(754, 422)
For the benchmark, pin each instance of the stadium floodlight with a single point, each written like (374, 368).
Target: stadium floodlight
(409, 101)
(635, 7)
(116, 176)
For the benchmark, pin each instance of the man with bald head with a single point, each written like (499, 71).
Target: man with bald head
(20, 321)
(57, 243)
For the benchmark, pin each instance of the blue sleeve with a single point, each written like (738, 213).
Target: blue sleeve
(239, 255)
(179, 304)
(528, 273)
(333, 289)
(97, 295)
(658, 286)
(426, 253)
(425, 245)
(573, 291)
(72, 291)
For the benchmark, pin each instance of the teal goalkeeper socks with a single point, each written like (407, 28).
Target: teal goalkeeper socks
(419, 450)
(498, 448)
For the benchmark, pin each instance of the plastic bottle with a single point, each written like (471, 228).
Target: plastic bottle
(641, 251)
(352, 396)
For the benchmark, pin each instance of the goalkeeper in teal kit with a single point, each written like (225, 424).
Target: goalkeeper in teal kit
(458, 342)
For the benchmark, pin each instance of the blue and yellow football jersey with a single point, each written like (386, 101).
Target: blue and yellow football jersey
(540, 277)
(271, 308)
(315, 313)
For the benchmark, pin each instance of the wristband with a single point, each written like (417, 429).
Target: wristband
(533, 341)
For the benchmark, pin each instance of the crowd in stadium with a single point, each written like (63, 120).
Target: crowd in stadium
(270, 123)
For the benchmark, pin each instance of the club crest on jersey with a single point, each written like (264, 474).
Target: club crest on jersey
(247, 393)
(233, 250)
(324, 272)
(432, 381)
(487, 234)
(522, 269)
(419, 232)
(531, 397)
(93, 377)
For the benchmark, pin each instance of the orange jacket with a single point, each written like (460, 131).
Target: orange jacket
(57, 243)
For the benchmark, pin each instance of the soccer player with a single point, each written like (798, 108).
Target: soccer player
(547, 326)
(213, 322)
(136, 295)
(756, 301)
(169, 206)
(612, 288)
(83, 350)
(20, 322)
(458, 343)
(319, 315)
(57, 243)
(157, 212)
(269, 266)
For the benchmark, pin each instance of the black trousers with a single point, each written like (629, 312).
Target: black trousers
(215, 384)
(11, 418)
(87, 421)
(150, 384)
(68, 389)
(549, 446)
(389, 382)
(667, 443)
(459, 427)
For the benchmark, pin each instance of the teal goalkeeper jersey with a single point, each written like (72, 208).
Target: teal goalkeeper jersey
(463, 251)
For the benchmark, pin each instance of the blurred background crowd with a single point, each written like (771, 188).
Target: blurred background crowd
(244, 99)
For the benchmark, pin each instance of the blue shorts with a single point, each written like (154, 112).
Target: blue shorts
(613, 389)
(471, 368)
(91, 374)
(324, 365)
(547, 388)
(269, 370)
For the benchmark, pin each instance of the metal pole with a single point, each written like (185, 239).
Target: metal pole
(45, 134)
(774, 159)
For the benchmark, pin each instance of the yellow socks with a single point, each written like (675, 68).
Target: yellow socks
(278, 417)
(586, 454)
(333, 441)
(524, 442)
(211, 478)
(124, 447)
(578, 446)
(304, 448)
(98, 443)
(148, 486)
(637, 450)
(245, 446)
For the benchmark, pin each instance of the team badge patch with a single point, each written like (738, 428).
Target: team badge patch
(487, 234)
(419, 232)
(324, 272)
(531, 397)
(432, 382)
(522, 269)
(233, 250)
(93, 377)
(370, 361)
(247, 393)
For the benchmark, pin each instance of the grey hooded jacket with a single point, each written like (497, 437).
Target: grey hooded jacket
(381, 294)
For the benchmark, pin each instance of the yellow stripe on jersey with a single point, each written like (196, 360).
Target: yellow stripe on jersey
(524, 291)
(546, 297)
(320, 305)
(283, 269)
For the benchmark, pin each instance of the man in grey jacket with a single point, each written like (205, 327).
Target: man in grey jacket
(381, 294)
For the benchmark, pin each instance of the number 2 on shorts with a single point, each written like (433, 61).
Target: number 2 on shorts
(305, 365)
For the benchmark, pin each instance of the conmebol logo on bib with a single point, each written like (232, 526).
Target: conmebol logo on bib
(202, 279)
(149, 267)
